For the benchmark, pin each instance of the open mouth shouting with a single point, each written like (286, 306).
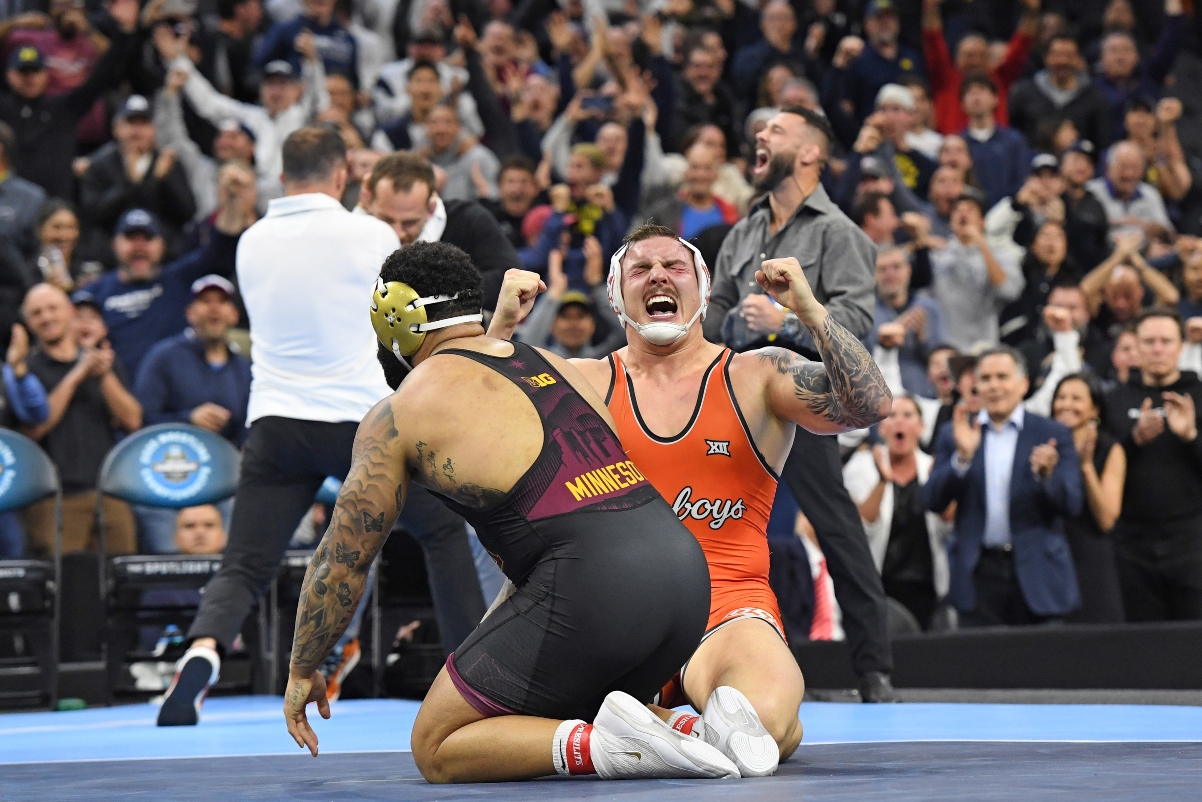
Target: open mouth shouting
(762, 159)
(661, 307)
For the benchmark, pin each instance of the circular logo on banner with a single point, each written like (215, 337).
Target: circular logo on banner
(175, 465)
(7, 473)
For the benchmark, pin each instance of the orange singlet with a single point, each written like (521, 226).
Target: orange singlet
(717, 482)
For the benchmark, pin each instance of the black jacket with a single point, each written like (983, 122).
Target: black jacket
(106, 190)
(45, 127)
(471, 228)
(1031, 109)
(1164, 476)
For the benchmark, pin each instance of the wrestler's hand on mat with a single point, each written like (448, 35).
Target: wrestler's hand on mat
(518, 291)
(302, 691)
(786, 283)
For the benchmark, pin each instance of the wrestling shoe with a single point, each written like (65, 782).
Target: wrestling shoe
(195, 673)
(337, 668)
(631, 742)
(733, 726)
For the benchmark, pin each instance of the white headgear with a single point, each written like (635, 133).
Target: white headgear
(658, 333)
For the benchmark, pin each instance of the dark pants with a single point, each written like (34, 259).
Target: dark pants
(999, 598)
(1160, 569)
(284, 462)
(814, 475)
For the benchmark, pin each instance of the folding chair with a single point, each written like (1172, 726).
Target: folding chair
(169, 466)
(29, 589)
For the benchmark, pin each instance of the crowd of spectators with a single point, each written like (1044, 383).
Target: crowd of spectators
(1028, 171)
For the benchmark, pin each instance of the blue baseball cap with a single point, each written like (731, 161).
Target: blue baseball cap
(26, 58)
(212, 282)
(232, 124)
(85, 298)
(138, 221)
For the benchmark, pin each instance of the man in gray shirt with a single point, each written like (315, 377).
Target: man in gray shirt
(797, 218)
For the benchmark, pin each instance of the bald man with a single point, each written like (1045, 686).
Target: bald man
(87, 390)
(1132, 205)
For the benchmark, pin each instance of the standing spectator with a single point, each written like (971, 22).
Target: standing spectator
(1124, 75)
(564, 321)
(517, 191)
(907, 542)
(969, 281)
(695, 208)
(45, 125)
(947, 186)
(1131, 204)
(71, 48)
(1153, 127)
(1046, 265)
(1155, 418)
(876, 217)
(1085, 222)
(289, 100)
(1078, 405)
(401, 192)
(883, 60)
(314, 378)
(229, 63)
(1002, 151)
(471, 168)
(796, 217)
(909, 322)
(921, 136)
(88, 393)
(1014, 477)
(778, 23)
(972, 58)
(20, 203)
(896, 112)
(335, 47)
(1115, 289)
(1062, 91)
(704, 98)
(144, 301)
(22, 402)
(132, 173)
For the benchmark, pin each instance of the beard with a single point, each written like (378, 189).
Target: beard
(780, 167)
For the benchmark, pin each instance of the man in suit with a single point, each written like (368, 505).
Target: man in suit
(1014, 475)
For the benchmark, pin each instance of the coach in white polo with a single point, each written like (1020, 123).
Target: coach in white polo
(305, 272)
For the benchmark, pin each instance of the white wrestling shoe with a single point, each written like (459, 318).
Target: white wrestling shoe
(630, 742)
(733, 726)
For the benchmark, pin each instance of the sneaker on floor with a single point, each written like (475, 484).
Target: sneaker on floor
(631, 742)
(733, 726)
(336, 670)
(195, 673)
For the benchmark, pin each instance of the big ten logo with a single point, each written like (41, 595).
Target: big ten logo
(541, 380)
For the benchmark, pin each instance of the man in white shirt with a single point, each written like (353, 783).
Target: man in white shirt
(306, 273)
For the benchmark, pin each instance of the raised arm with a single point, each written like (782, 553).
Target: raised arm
(370, 500)
(846, 391)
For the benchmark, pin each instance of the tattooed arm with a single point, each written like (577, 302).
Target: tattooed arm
(846, 391)
(371, 498)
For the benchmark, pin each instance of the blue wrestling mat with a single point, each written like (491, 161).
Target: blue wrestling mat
(241, 751)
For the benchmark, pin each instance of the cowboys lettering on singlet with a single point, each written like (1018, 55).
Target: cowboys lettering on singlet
(609, 479)
(718, 510)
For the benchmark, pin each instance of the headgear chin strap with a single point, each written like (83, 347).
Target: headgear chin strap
(658, 333)
(398, 314)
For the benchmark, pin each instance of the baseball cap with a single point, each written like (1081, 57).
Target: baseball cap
(138, 221)
(85, 298)
(1044, 161)
(134, 106)
(575, 298)
(872, 167)
(231, 124)
(875, 7)
(1085, 148)
(211, 282)
(26, 59)
(278, 69)
(895, 93)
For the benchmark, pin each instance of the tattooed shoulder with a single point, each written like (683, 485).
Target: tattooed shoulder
(438, 474)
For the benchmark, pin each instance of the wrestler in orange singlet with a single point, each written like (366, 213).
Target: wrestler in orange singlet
(712, 430)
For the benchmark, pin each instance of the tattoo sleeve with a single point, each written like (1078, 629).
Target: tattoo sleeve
(847, 389)
(368, 504)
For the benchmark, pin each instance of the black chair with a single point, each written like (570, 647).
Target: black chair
(29, 589)
(171, 466)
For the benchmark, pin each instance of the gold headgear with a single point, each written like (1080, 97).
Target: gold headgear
(398, 314)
